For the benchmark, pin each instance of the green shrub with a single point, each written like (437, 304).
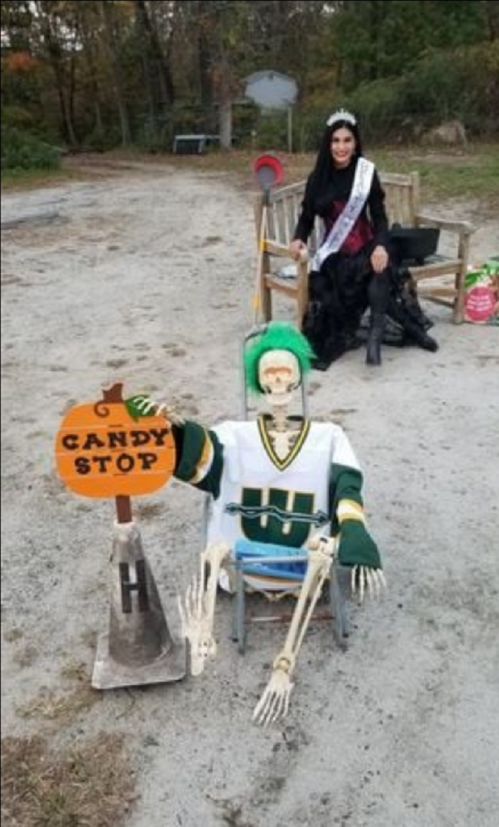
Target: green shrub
(271, 131)
(102, 140)
(23, 151)
(458, 84)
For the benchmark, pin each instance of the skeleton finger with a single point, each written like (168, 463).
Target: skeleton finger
(376, 583)
(258, 712)
(284, 706)
(188, 601)
(268, 710)
(265, 705)
(193, 603)
(358, 582)
(277, 708)
(198, 588)
(369, 579)
(274, 702)
(192, 599)
(144, 404)
(183, 619)
(382, 579)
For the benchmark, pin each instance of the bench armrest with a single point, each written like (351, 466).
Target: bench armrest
(281, 250)
(461, 227)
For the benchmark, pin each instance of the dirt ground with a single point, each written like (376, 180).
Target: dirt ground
(145, 276)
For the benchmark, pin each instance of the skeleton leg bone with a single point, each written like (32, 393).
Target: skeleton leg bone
(274, 702)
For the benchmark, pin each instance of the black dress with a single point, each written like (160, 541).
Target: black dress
(341, 291)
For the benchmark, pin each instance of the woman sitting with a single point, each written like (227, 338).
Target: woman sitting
(354, 268)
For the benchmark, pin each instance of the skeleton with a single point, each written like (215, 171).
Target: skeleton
(279, 375)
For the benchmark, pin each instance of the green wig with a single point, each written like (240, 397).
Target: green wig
(278, 336)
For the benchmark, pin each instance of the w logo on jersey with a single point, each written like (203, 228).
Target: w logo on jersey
(275, 516)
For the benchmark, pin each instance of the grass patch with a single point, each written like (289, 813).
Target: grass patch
(24, 179)
(471, 171)
(63, 707)
(468, 172)
(90, 785)
(446, 172)
(14, 634)
(20, 179)
(56, 707)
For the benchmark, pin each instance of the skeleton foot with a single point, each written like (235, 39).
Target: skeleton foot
(274, 703)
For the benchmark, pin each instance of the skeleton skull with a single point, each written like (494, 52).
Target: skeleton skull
(279, 376)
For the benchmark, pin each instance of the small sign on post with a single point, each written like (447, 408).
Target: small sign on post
(104, 450)
(272, 90)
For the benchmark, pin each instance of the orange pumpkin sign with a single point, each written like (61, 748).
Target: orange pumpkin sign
(102, 451)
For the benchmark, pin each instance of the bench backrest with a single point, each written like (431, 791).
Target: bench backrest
(402, 205)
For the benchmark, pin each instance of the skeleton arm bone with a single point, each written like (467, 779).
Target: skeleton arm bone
(274, 702)
(213, 556)
(197, 613)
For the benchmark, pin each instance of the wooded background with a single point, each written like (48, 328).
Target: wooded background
(99, 74)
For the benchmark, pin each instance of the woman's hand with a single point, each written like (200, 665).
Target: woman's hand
(296, 248)
(379, 259)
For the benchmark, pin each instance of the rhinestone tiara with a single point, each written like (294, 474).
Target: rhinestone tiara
(341, 115)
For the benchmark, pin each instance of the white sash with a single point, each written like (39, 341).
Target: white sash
(344, 223)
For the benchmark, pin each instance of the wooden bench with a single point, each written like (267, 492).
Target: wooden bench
(275, 228)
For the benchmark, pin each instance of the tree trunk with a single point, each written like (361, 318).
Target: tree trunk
(225, 124)
(107, 12)
(164, 72)
(225, 105)
(56, 60)
(146, 66)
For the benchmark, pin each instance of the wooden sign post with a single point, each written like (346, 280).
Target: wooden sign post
(103, 450)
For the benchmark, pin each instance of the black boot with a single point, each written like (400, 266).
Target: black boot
(426, 342)
(374, 339)
(419, 336)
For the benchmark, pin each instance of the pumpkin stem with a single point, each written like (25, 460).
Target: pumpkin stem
(113, 394)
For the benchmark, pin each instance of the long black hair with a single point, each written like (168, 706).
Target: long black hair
(323, 171)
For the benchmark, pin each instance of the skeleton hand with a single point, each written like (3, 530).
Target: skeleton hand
(198, 614)
(143, 405)
(364, 579)
(197, 626)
